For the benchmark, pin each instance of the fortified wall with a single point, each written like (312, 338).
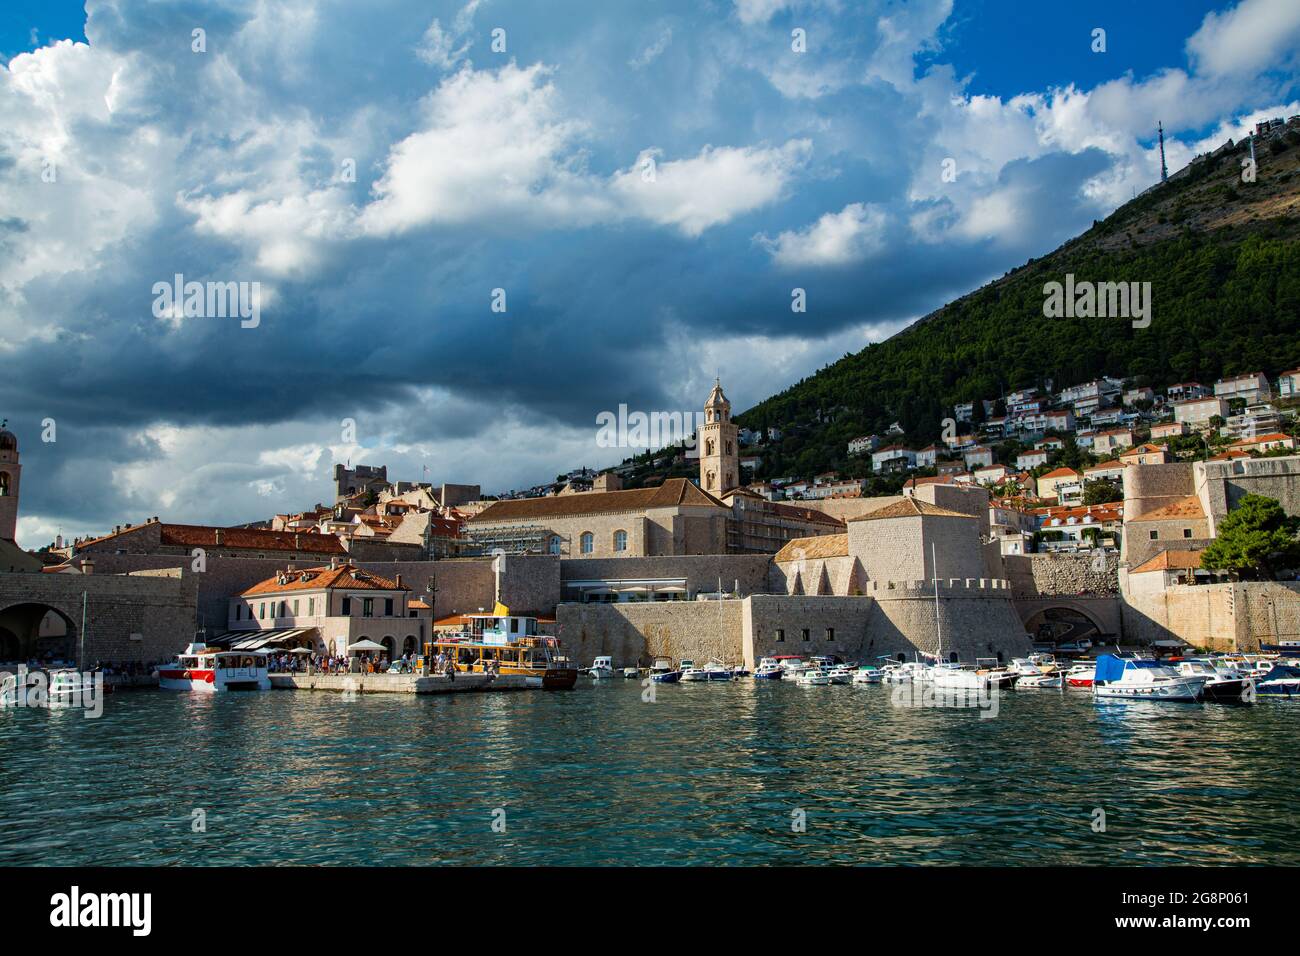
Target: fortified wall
(1239, 616)
(147, 616)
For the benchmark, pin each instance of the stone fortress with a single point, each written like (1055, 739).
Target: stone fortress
(692, 571)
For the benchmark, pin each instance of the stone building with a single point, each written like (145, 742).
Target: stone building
(328, 609)
(674, 518)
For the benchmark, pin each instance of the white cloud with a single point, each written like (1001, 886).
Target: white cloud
(653, 51)
(836, 239)
(713, 187)
(1252, 36)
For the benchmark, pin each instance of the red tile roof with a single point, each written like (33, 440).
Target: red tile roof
(314, 579)
(1170, 561)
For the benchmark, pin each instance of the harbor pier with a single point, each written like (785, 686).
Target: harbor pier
(400, 683)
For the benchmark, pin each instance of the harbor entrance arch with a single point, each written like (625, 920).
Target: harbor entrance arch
(32, 629)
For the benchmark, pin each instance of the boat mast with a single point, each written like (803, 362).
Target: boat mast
(938, 631)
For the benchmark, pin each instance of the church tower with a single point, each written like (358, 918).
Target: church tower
(10, 471)
(718, 445)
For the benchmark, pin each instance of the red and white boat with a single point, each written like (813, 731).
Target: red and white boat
(210, 670)
(1081, 675)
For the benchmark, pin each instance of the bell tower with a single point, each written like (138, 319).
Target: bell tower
(718, 445)
(10, 472)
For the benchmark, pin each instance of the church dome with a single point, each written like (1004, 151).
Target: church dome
(716, 398)
(8, 441)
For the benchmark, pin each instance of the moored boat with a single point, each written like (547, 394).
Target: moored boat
(867, 674)
(211, 670)
(601, 668)
(631, 672)
(1081, 675)
(1128, 678)
(508, 644)
(840, 674)
(1223, 684)
(813, 677)
(712, 671)
(1281, 680)
(662, 671)
(769, 668)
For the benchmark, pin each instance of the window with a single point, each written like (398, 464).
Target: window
(805, 634)
(295, 607)
(4, 484)
(620, 540)
(587, 542)
(780, 636)
(239, 611)
(347, 605)
(311, 607)
(1187, 532)
(367, 607)
(388, 607)
(830, 633)
(1155, 535)
(261, 611)
(554, 545)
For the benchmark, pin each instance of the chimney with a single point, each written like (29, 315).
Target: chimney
(399, 580)
(88, 566)
(334, 564)
(218, 536)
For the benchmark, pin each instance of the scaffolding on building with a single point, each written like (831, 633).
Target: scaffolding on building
(518, 539)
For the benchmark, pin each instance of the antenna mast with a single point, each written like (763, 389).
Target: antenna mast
(1164, 170)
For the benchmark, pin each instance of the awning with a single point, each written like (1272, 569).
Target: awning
(366, 645)
(256, 640)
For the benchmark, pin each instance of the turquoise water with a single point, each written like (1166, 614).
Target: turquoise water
(704, 774)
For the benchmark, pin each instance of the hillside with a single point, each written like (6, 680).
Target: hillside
(1223, 258)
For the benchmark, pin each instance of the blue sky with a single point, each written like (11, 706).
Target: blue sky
(647, 183)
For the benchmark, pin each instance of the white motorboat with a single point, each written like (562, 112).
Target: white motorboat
(210, 670)
(959, 677)
(1128, 678)
(1081, 675)
(1224, 683)
(813, 677)
(840, 674)
(769, 668)
(602, 667)
(866, 674)
(712, 671)
(631, 672)
(791, 664)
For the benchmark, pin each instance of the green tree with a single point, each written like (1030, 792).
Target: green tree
(1255, 540)
(1100, 493)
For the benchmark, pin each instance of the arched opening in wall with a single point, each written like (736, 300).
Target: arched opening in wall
(32, 630)
(9, 646)
(408, 645)
(390, 645)
(1062, 625)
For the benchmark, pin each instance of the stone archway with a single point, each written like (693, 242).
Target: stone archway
(33, 629)
(1063, 622)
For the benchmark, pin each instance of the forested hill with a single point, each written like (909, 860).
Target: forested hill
(1223, 258)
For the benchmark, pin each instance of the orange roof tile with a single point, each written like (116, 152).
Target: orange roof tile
(314, 579)
(909, 508)
(675, 492)
(1170, 561)
(821, 546)
(1189, 507)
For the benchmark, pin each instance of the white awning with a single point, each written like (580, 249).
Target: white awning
(255, 640)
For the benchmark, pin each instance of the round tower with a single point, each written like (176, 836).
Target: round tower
(10, 472)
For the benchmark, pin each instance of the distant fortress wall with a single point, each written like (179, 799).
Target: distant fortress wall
(977, 622)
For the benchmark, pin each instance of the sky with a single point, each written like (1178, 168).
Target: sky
(476, 226)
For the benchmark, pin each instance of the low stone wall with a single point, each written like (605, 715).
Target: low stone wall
(634, 634)
(701, 571)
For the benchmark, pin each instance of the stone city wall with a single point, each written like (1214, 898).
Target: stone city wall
(145, 617)
(701, 571)
(634, 634)
(1038, 575)
(1227, 617)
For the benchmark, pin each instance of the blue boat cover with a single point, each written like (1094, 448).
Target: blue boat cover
(1110, 667)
